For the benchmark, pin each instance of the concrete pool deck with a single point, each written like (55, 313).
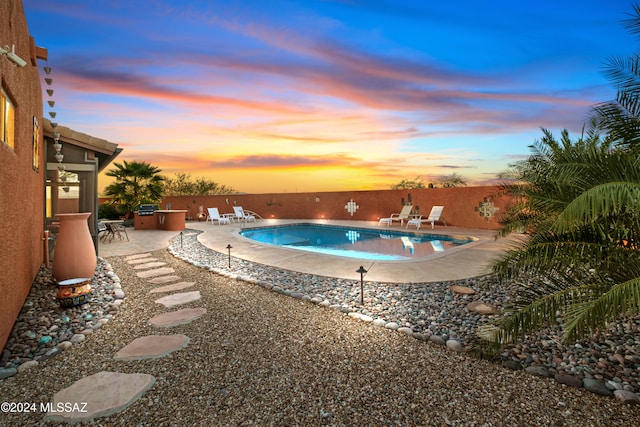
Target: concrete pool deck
(470, 260)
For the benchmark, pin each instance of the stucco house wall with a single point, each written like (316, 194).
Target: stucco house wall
(21, 185)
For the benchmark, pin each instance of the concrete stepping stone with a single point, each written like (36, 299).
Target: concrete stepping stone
(156, 272)
(175, 287)
(164, 279)
(152, 347)
(179, 317)
(173, 300)
(141, 260)
(136, 256)
(104, 393)
(149, 265)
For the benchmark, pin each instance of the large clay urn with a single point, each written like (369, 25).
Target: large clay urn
(75, 255)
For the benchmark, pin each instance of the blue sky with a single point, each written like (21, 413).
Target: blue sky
(271, 96)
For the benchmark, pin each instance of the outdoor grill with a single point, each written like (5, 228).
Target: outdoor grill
(146, 210)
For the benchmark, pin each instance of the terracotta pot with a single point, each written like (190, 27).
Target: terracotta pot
(75, 255)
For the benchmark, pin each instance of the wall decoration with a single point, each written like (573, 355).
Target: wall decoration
(351, 207)
(487, 209)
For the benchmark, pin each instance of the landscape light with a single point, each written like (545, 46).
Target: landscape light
(229, 247)
(362, 272)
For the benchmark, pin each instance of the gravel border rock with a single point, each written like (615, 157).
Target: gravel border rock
(258, 358)
(447, 313)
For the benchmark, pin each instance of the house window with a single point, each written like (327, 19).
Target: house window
(36, 145)
(7, 117)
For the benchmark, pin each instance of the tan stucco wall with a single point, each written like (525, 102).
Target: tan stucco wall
(460, 204)
(21, 188)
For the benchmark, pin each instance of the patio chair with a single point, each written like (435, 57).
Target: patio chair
(118, 228)
(404, 214)
(103, 231)
(241, 215)
(434, 215)
(214, 215)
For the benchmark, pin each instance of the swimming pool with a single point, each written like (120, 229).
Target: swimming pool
(352, 242)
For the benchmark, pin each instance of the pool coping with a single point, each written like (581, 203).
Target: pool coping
(470, 260)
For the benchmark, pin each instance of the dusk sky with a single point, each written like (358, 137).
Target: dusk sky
(310, 95)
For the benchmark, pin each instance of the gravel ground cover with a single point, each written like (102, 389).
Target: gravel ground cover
(258, 357)
(607, 364)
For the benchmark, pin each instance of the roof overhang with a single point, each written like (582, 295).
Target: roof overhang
(104, 150)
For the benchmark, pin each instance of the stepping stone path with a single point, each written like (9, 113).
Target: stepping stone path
(132, 258)
(107, 393)
(104, 393)
(164, 279)
(155, 272)
(178, 317)
(170, 288)
(173, 300)
(152, 347)
(149, 265)
(140, 261)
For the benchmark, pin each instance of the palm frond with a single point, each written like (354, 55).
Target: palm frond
(592, 314)
(599, 201)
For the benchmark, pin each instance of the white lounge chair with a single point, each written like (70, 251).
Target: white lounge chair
(241, 215)
(214, 215)
(404, 214)
(434, 215)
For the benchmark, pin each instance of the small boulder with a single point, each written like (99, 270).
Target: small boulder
(27, 365)
(437, 339)
(567, 379)
(596, 386)
(627, 397)
(7, 372)
(454, 345)
(462, 290)
(538, 371)
(512, 364)
(482, 308)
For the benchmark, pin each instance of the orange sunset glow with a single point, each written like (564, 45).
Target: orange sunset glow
(291, 96)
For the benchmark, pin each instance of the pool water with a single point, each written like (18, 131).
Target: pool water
(362, 243)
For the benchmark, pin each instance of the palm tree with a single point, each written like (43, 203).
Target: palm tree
(581, 202)
(621, 117)
(135, 183)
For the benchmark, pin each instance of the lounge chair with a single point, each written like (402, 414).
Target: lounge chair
(214, 215)
(241, 215)
(405, 213)
(434, 215)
